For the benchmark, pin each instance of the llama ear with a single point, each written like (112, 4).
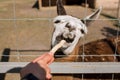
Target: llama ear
(60, 8)
(92, 17)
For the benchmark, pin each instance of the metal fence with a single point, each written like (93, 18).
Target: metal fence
(25, 33)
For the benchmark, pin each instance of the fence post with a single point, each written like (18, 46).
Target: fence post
(118, 15)
(40, 4)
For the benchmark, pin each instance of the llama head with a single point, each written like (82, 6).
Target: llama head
(70, 28)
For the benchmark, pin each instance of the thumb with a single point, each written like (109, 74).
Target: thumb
(48, 73)
(48, 76)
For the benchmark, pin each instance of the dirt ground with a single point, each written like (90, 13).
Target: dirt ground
(30, 34)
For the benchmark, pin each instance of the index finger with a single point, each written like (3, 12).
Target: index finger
(46, 58)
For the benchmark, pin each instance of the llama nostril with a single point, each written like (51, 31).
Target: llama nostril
(65, 35)
(71, 35)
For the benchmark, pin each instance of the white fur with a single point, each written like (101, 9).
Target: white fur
(60, 28)
(79, 31)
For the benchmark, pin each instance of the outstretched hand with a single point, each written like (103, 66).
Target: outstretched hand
(39, 67)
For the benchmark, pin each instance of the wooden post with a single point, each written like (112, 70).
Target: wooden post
(40, 4)
(118, 15)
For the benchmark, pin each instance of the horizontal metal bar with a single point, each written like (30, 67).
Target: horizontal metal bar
(15, 55)
(24, 19)
(67, 67)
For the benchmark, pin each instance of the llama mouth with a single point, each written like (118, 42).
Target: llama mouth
(68, 40)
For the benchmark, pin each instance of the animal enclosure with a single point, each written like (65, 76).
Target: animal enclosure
(25, 33)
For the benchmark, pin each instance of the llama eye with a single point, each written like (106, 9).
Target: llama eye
(82, 31)
(57, 21)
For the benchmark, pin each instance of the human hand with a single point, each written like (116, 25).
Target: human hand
(39, 67)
